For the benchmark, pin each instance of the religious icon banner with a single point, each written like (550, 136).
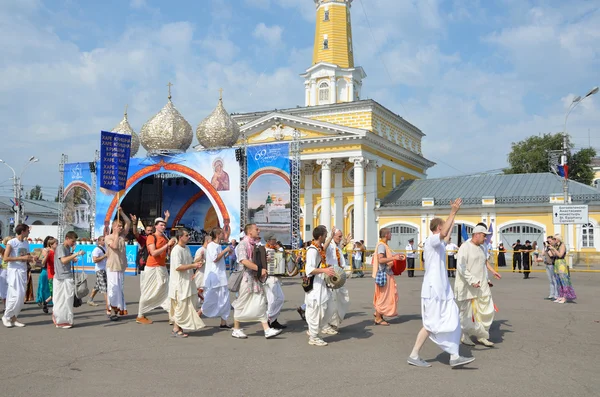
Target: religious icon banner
(77, 199)
(201, 190)
(269, 202)
(114, 160)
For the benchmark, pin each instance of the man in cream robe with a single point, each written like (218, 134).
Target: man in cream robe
(472, 290)
(182, 289)
(340, 300)
(116, 264)
(16, 255)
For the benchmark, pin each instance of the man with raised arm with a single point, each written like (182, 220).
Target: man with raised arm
(441, 321)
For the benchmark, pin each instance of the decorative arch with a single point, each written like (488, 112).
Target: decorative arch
(195, 177)
(401, 223)
(82, 185)
(186, 207)
(518, 222)
(38, 222)
(347, 209)
(269, 170)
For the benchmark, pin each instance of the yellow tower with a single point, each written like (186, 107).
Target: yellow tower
(333, 33)
(333, 78)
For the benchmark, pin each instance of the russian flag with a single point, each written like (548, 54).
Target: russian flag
(563, 170)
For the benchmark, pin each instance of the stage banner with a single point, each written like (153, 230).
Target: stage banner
(269, 202)
(77, 199)
(114, 160)
(201, 190)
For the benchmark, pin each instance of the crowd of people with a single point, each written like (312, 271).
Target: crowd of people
(200, 286)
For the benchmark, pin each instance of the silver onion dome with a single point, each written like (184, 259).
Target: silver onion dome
(124, 128)
(167, 131)
(218, 129)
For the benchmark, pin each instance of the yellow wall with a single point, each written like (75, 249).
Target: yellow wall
(395, 134)
(338, 31)
(360, 120)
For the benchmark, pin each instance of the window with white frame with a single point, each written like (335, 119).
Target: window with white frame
(323, 92)
(587, 236)
(326, 16)
(383, 178)
(393, 180)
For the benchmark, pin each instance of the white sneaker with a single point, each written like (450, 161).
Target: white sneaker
(485, 342)
(7, 323)
(329, 331)
(465, 339)
(316, 342)
(238, 333)
(16, 323)
(66, 326)
(92, 303)
(271, 332)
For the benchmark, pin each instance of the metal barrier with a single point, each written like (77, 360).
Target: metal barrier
(579, 261)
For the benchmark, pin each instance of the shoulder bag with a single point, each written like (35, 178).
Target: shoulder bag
(309, 281)
(80, 280)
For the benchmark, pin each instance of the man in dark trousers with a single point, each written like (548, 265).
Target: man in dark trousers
(526, 251)
(410, 257)
(517, 258)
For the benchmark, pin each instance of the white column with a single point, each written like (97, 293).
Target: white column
(307, 93)
(308, 169)
(359, 197)
(313, 92)
(371, 235)
(333, 90)
(325, 192)
(338, 195)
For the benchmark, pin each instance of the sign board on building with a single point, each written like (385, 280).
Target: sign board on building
(570, 214)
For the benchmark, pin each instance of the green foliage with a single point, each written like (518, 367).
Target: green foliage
(36, 193)
(531, 156)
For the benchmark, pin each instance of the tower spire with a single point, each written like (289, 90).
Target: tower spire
(333, 78)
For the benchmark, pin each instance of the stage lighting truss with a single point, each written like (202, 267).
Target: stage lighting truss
(295, 188)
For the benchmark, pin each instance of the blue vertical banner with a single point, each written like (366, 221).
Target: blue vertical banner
(114, 160)
(269, 198)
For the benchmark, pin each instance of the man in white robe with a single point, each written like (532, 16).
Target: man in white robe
(340, 300)
(155, 283)
(318, 310)
(441, 321)
(182, 289)
(216, 295)
(251, 303)
(16, 255)
(472, 289)
(272, 286)
(63, 284)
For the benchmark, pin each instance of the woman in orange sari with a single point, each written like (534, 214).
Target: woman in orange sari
(385, 300)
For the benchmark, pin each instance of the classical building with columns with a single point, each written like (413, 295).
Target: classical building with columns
(353, 151)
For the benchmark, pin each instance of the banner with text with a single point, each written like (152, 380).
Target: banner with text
(269, 202)
(114, 160)
(77, 198)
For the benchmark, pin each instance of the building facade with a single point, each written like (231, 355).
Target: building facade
(353, 151)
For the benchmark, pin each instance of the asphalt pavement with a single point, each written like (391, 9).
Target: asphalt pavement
(542, 349)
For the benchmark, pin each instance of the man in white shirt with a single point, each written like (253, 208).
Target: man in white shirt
(318, 310)
(440, 314)
(451, 250)
(472, 289)
(17, 256)
(99, 256)
(410, 257)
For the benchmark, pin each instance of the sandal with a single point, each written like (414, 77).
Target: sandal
(382, 322)
(178, 334)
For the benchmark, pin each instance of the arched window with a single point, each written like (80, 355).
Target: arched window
(383, 178)
(393, 180)
(587, 236)
(325, 42)
(324, 92)
(38, 223)
(326, 16)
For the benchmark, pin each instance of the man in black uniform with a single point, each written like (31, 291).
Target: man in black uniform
(526, 249)
(517, 247)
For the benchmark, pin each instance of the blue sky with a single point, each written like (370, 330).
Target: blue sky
(474, 75)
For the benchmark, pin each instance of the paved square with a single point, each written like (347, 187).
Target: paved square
(542, 349)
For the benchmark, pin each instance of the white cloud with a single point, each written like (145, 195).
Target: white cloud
(270, 34)
(137, 4)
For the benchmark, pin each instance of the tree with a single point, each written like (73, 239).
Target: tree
(580, 168)
(531, 156)
(36, 193)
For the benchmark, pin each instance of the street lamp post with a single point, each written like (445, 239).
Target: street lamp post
(576, 101)
(17, 185)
